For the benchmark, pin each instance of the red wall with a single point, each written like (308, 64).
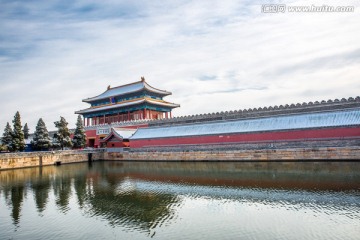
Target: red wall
(252, 137)
(116, 145)
(92, 134)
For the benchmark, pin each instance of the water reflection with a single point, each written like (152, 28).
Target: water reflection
(62, 191)
(122, 204)
(145, 196)
(41, 189)
(80, 185)
(14, 197)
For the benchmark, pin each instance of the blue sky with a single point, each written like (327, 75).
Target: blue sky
(212, 55)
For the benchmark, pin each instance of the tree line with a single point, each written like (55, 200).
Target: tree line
(13, 139)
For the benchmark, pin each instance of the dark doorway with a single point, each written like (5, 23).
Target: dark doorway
(91, 143)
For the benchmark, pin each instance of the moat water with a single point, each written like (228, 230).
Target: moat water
(126, 200)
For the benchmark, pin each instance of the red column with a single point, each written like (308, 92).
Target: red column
(84, 121)
(128, 115)
(144, 113)
(166, 115)
(104, 119)
(170, 115)
(87, 122)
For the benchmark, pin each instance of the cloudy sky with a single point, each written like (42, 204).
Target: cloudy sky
(212, 55)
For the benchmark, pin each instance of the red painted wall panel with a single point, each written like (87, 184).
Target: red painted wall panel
(114, 144)
(91, 134)
(324, 133)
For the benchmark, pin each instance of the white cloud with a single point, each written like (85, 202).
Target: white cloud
(213, 55)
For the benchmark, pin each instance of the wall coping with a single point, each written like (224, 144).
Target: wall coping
(287, 109)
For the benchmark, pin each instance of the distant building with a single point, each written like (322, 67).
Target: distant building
(129, 106)
(136, 116)
(134, 101)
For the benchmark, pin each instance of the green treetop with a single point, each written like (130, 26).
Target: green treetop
(26, 131)
(62, 136)
(18, 143)
(41, 140)
(79, 139)
(6, 139)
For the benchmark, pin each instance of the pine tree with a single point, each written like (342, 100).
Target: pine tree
(41, 140)
(18, 143)
(62, 136)
(79, 139)
(55, 143)
(26, 131)
(6, 139)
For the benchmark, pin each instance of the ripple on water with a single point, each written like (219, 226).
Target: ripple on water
(108, 204)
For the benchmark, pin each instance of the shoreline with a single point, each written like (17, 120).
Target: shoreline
(18, 160)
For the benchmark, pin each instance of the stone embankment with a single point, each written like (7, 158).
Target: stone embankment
(34, 159)
(303, 154)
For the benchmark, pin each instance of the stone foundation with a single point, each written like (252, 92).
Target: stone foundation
(312, 154)
(35, 159)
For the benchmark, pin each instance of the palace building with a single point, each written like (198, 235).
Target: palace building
(134, 101)
(136, 116)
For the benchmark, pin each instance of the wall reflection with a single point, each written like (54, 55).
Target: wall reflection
(143, 195)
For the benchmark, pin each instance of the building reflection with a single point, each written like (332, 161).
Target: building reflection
(107, 195)
(143, 195)
(130, 207)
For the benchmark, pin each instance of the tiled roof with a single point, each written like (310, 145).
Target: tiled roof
(128, 103)
(125, 89)
(300, 121)
(124, 132)
(120, 133)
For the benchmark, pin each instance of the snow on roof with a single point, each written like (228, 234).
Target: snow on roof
(313, 120)
(124, 132)
(125, 89)
(120, 133)
(128, 103)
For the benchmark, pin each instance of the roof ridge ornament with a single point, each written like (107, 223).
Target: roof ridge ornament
(142, 79)
(108, 88)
